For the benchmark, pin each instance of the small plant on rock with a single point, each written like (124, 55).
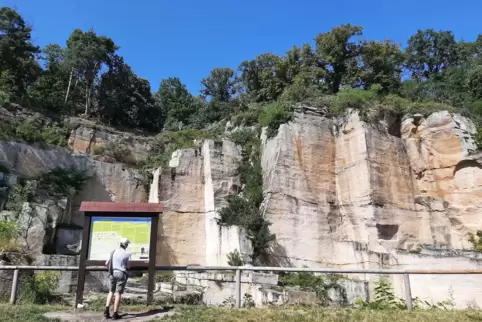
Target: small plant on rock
(234, 259)
(476, 241)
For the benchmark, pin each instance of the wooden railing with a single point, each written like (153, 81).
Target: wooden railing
(239, 269)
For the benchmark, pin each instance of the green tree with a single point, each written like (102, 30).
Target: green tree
(429, 52)
(340, 53)
(86, 54)
(263, 77)
(176, 104)
(50, 89)
(474, 82)
(382, 64)
(125, 99)
(220, 85)
(18, 67)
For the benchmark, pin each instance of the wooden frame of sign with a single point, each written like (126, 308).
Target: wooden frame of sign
(118, 210)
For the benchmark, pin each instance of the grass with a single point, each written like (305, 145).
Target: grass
(27, 313)
(312, 315)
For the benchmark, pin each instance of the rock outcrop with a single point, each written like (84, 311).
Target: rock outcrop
(339, 192)
(345, 193)
(86, 137)
(193, 189)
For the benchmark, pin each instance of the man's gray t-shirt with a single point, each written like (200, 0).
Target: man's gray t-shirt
(120, 259)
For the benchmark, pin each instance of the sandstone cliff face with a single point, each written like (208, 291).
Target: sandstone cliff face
(108, 182)
(344, 193)
(328, 182)
(86, 137)
(193, 189)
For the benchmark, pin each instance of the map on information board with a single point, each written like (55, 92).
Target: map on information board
(107, 232)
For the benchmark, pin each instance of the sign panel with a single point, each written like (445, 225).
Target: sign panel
(107, 232)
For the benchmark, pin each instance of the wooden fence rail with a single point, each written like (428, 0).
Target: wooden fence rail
(239, 269)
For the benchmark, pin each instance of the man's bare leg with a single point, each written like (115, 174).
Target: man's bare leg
(109, 299)
(117, 300)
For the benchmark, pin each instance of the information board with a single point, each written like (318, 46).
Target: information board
(107, 232)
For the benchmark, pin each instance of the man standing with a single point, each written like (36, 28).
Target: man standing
(118, 265)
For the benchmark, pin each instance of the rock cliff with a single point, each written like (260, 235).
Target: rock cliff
(339, 192)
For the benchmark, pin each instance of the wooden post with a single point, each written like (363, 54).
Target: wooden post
(152, 259)
(13, 294)
(408, 291)
(83, 258)
(238, 288)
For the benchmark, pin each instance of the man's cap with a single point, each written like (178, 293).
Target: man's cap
(125, 241)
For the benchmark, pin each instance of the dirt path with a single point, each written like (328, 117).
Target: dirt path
(89, 316)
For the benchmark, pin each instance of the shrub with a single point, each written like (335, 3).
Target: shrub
(21, 193)
(168, 142)
(38, 288)
(234, 259)
(8, 235)
(348, 97)
(310, 282)
(246, 118)
(385, 299)
(243, 213)
(243, 136)
(476, 241)
(63, 181)
(478, 138)
(116, 150)
(272, 116)
(34, 129)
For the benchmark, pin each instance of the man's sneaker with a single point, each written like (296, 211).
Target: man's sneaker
(106, 315)
(116, 316)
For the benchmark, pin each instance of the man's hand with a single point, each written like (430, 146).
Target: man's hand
(107, 263)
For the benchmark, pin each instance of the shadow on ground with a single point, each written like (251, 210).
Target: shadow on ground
(78, 316)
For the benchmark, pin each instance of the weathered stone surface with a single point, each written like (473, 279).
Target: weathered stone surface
(108, 182)
(393, 190)
(193, 190)
(87, 136)
(299, 190)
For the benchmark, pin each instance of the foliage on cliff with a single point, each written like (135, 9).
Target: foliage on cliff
(339, 69)
(243, 210)
(476, 241)
(34, 129)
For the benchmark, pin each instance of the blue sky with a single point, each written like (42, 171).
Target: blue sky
(188, 38)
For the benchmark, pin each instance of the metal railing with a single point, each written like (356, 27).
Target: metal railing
(239, 269)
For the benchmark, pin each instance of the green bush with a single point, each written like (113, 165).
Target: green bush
(272, 116)
(310, 282)
(21, 193)
(476, 241)
(385, 299)
(246, 118)
(116, 150)
(168, 142)
(234, 258)
(361, 100)
(243, 136)
(33, 130)
(38, 288)
(63, 181)
(8, 235)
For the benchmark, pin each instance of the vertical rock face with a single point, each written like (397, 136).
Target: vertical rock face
(345, 184)
(108, 182)
(299, 190)
(448, 177)
(193, 190)
(86, 137)
(370, 195)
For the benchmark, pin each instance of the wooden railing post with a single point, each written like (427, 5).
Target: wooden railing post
(13, 294)
(408, 291)
(238, 289)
